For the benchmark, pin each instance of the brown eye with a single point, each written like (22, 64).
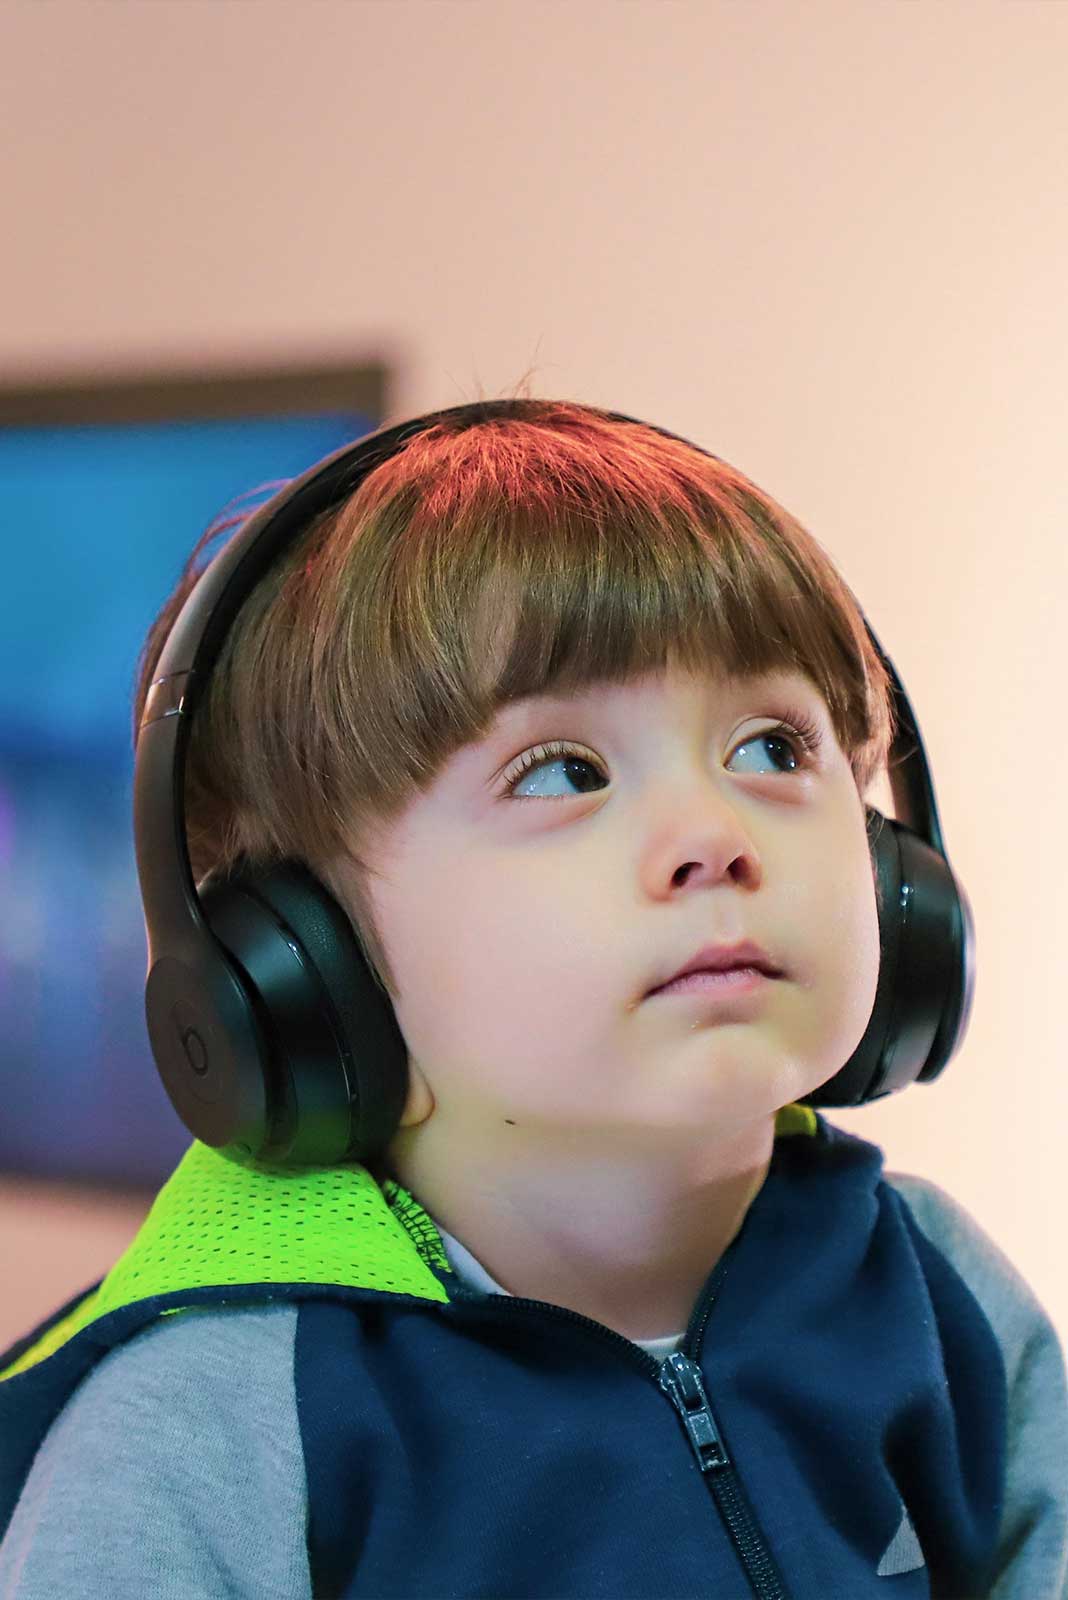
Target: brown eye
(782, 740)
(544, 755)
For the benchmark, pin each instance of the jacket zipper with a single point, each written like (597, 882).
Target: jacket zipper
(681, 1380)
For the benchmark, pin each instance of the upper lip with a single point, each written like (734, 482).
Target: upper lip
(718, 957)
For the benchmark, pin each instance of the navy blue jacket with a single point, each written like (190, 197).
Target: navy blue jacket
(285, 1387)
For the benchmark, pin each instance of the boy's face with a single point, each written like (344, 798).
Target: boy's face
(525, 933)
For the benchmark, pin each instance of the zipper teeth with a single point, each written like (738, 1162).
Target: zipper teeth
(755, 1557)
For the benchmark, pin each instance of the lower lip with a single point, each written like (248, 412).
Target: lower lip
(739, 980)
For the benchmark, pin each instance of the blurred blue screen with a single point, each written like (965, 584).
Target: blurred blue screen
(97, 523)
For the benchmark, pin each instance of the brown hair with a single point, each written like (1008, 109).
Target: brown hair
(547, 548)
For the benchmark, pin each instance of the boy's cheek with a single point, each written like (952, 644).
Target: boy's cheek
(858, 954)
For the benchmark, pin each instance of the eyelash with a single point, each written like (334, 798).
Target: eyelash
(801, 730)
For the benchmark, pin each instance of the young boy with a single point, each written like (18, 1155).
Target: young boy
(554, 704)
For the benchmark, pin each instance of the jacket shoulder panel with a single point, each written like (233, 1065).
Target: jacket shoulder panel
(175, 1468)
(1033, 1537)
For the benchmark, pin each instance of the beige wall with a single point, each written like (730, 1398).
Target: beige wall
(827, 241)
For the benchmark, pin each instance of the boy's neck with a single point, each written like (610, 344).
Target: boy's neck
(629, 1244)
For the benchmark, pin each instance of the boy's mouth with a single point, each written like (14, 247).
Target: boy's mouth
(723, 959)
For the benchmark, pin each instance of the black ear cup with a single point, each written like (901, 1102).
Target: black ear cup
(926, 981)
(336, 1061)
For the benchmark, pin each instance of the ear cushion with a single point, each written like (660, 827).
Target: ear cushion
(339, 1067)
(936, 963)
(917, 1015)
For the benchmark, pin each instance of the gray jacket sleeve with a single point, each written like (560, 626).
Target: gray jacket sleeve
(1033, 1539)
(174, 1471)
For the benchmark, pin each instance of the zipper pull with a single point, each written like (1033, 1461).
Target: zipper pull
(680, 1379)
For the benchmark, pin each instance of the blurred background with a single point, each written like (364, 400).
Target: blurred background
(827, 242)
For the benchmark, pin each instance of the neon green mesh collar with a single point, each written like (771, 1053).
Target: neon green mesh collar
(215, 1223)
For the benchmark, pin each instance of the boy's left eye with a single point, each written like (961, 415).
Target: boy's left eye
(798, 746)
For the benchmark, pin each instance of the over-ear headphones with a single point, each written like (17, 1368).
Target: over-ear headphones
(272, 1037)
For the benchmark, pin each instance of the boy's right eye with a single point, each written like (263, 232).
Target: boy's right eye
(545, 755)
